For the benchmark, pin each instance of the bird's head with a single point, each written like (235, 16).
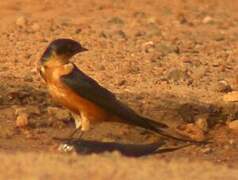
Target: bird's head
(60, 51)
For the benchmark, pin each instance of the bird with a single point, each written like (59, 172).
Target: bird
(88, 101)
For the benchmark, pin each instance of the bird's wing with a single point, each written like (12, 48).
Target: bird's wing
(89, 89)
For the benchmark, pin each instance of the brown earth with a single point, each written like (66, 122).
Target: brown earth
(172, 61)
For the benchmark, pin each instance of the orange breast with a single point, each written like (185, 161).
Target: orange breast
(73, 101)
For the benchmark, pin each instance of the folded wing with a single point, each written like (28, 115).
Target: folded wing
(89, 89)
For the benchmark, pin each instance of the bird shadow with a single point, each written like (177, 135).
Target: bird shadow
(134, 150)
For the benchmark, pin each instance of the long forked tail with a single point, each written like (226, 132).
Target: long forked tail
(159, 129)
(131, 117)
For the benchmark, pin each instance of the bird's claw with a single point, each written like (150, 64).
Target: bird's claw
(66, 148)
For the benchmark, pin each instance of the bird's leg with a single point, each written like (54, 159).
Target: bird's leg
(82, 124)
(85, 123)
(78, 124)
(71, 135)
(69, 145)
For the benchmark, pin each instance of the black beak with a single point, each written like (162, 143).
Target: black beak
(78, 49)
(82, 49)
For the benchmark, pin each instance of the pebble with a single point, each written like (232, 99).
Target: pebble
(231, 97)
(22, 120)
(121, 82)
(207, 20)
(139, 14)
(206, 150)
(140, 33)
(151, 20)
(103, 34)
(120, 34)
(223, 87)
(192, 131)
(21, 21)
(201, 122)
(116, 20)
(78, 30)
(148, 46)
(166, 49)
(35, 27)
(176, 75)
(182, 19)
(233, 125)
(28, 78)
(231, 141)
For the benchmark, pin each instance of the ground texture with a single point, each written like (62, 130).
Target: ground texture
(173, 61)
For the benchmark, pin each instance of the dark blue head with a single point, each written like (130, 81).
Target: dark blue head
(62, 48)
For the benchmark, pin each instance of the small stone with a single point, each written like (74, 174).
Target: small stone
(78, 30)
(139, 14)
(58, 113)
(148, 46)
(231, 97)
(206, 150)
(233, 125)
(21, 21)
(140, 33)
(223, 87)
(22, 120)
(192, 131)
(149, 43)
(120, 34)
(35, 27)
(231, 141)
(176, 75)
(28, 78)
(201, 122)
(151, 20)
(122, 82)
(219, 37)
(103, 34)
(165, 48)
(207, 20)
(182, 19)
(116, 20)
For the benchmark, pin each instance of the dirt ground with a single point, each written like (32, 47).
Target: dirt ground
(172, 61)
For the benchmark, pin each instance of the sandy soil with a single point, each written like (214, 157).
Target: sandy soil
(172, 61)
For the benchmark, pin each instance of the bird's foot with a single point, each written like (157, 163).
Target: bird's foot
(66, 148)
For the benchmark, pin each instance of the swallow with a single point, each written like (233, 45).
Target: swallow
(86, 99)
